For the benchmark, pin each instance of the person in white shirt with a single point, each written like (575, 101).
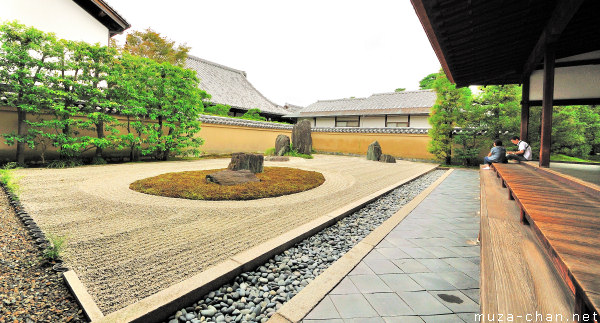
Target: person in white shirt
(523, 153)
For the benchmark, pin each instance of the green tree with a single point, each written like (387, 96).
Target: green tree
(400, 89)
(445, 113)
(500, 110)
(26, 56)
(253, 114)
(98, 108)
(218, 109)
(127, 89)
(176, 107)
(151, 44)
(427, 82)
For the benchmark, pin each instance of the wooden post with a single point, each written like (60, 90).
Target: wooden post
(548, 97)
(525, 110)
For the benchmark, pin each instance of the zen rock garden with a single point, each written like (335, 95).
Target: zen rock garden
(241, 169)
(374, 152)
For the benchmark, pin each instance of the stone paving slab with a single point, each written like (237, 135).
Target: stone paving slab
(125, 245)
(425, 270)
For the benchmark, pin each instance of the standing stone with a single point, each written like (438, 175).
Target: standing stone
(301, 138)
(387, 158)
(374, 151)
(251, 162)
(282, 145)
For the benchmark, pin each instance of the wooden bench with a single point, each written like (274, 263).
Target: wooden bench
(566, 220)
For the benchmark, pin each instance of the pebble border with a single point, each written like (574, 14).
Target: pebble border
(256, 295)
(33, 229)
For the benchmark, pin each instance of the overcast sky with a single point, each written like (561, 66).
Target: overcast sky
(298, 51)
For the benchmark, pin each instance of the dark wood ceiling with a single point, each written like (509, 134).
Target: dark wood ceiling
(484, 42)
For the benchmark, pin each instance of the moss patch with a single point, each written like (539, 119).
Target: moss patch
(274, 181)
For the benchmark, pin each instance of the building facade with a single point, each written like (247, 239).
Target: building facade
(91, 21)
(407, 109)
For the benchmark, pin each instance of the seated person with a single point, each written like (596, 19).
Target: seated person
(523, 153)
(497, 154)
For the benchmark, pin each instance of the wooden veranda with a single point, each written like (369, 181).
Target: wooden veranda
(552, 48)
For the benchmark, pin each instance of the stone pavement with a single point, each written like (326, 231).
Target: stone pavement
(425, 270)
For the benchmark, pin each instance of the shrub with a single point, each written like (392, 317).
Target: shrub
(218, 109)
(57, 245)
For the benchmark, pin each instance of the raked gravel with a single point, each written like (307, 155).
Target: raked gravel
(255, 296)
(125, 245)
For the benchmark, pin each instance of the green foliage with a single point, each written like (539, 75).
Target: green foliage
(151, 44)
(427, 82)
(9, 181)
(450, 102)
(26, 55)
(292, 153)
(57, 245)
(253, 114)
(565, 158)
(218, 109)
(65, 163)
(84, 86)
(400, 89)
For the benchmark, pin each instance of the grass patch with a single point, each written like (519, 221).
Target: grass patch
(274, 181)
(8, 179)
(57, 245)
(565, 158)
(291, 153)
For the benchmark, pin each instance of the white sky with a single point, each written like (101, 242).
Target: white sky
(298, 51)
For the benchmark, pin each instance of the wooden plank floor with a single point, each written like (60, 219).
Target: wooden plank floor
(567, 222)
(517, 277)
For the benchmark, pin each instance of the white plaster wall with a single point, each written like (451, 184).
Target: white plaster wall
(575, 82)
(372, 122)
(419, 122)
(397, 118)
(325, 122)
(63, 17)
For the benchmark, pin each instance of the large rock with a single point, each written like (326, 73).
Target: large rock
(230, 177)
(387, 158)
(282, 145)
(251, 162)
(301, 138)
(374, 151)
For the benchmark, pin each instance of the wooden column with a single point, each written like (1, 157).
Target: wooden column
(548, 97)
(525, 110)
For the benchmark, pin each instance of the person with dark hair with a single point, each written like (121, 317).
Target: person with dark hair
(497, 154)
(523, 153)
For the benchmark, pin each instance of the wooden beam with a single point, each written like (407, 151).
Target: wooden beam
(563, 102)
(525, 111)
(422, 14)
(547, 106)
(561, 16)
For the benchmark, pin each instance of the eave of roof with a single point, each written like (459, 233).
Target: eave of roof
(105, 14)
(489, 42)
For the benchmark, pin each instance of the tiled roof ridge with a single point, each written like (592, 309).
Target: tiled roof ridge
(216, 64)
(270, 125)
(264, 97)
(343, 99)
(402, 92)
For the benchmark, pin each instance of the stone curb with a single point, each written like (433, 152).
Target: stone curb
(90, 309)
(299, 306)
(157, 307)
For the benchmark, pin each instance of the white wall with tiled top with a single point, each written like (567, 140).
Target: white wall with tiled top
(325, 122)
(419, 122)
(372, 122)
(63, 17)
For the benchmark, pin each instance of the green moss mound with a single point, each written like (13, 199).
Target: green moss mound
(274, 181)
